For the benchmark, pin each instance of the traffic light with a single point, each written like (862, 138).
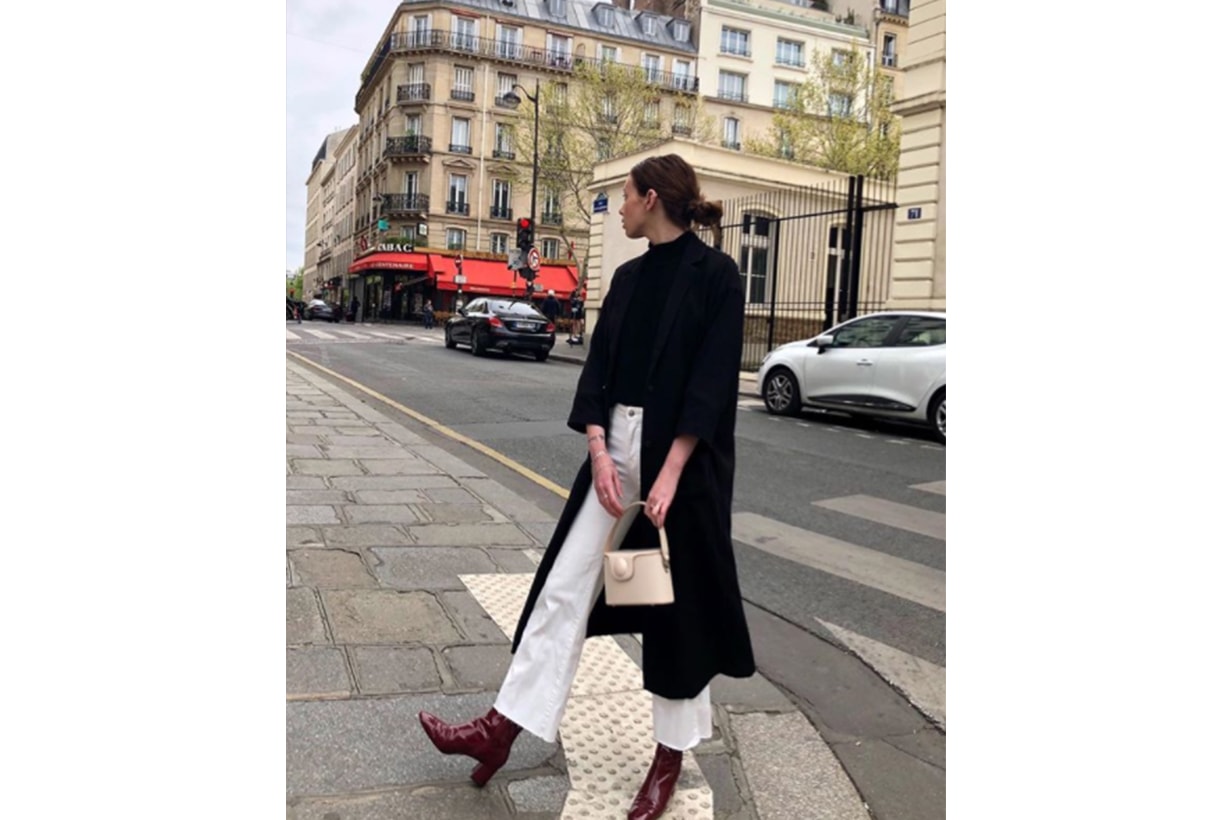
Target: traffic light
(525, 233)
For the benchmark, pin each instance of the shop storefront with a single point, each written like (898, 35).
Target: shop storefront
(391, 284)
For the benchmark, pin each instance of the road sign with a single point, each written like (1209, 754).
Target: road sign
(516, 259)
(532, 260)
(600, 203)
(914, 213)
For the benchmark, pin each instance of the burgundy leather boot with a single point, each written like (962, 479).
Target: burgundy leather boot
(487, 739)
(659, 785)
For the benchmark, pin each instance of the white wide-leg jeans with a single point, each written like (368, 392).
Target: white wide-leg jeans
(535, 690)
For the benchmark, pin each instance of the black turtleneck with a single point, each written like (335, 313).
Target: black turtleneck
(640, 324)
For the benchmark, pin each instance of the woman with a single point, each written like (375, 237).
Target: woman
(657, 402)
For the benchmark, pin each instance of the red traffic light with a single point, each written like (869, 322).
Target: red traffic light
(523, 223)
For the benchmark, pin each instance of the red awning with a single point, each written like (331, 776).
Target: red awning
(391, 261)
(488, 276)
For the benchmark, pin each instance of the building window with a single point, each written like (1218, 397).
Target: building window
(458, 186)
(840, 105)
(681, 30)
(755, 242)
(504, 141)
(455, 239)
(732, 86)
(463, 83)
(552, 211)
(506, 82)
(414, 125)
(735, 41)
(556, 8)
(730, 133)
(461, 136)
(414, 74)
(784, 94)
(682, 78)
(608, 108)
(559, 94)
(889, 55)
(604, 14)
(652, 65)
(499, 243)
(421, 30)
(508, 42)
(412, 183)
(501, 198)
(465, 34)
(651, 116)
(790, 52)
(608, 54)
(841, 57)
(785, 147)
(550, 249)
(648, 24)
(559, 50)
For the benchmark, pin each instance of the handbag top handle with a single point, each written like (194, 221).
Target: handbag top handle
(610, 536)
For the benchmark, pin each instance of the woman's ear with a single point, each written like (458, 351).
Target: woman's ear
(651, 196)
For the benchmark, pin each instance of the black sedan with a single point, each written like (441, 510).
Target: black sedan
(320, 309)
(508, 325)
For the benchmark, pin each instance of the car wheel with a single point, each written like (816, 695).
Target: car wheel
(476, 345)
(540, 355)
(781, 393)
(937, 414)
(448, 339)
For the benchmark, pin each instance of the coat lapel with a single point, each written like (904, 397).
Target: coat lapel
(692, 257)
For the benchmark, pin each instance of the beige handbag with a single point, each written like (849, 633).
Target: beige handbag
(637, 577)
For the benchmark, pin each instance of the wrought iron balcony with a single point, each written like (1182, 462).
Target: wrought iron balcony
(501, 212)
(728, 94)
(684, 82)
(462, 94)
(888, 59)
(457, 207)
(407, 146)
(460, 149)
(735, 146)
(413, 93)
(396, 204)
(682, 130)
(501, 154)
(553, 217)
(500, 102)
(897, 8)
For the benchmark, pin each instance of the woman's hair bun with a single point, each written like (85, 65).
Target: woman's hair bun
(704, 212)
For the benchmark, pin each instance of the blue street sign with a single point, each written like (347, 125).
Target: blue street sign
(600, 204)
(914, 213)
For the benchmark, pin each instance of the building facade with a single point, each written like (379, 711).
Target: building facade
(919, 236)
(754, 53)
(314, 244)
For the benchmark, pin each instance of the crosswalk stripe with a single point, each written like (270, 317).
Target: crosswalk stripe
(901, 516)
(319, 334)
(937, 487)
(354, 335)
(292, 337)
(922, 681)
(896, 576)
(386, 335)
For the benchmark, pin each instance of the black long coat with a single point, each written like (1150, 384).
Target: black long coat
(693, 385)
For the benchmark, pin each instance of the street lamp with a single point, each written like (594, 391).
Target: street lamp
(512, 99)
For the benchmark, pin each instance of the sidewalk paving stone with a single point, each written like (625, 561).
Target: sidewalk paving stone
(379, 449)
(512, 560)
(386, 616)
(451, 495)
(303, 537)
(303, 622)
(476, 625)
(462, 802)
(456, 513)
(390, 496)
(305, 482)
(316, 671)
(463, 535)
(296, 514)
(392, 482)
(478, 667)
(408, 568)
(331, 569)
(539, 794)
(392, 670)
(327, 497)
(366, 535)
(335, 746)
(398, 466)
(382, 514)
(325, 467)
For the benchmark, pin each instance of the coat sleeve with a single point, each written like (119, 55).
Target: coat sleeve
(588, 405)
(714, 380)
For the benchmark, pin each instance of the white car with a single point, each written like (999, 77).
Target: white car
(890, 365)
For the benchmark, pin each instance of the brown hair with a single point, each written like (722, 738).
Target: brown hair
(675, 183)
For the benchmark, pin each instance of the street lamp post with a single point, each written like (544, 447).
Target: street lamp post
(512, 99)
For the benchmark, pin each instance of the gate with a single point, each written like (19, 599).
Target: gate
(809, 258)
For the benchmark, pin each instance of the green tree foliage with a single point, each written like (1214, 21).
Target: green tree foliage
(839, 118)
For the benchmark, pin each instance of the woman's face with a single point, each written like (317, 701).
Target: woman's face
(634, 212)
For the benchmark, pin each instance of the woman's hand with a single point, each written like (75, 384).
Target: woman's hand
(605, 477)
(658, 503)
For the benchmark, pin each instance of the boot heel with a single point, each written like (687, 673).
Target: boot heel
(482, 773)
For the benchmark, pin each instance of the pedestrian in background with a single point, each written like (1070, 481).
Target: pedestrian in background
(657, 401)
(429, 316)
(550, 307)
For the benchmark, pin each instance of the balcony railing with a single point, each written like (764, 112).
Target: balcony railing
(412, 93)
(406, 203)
(553, 217)
(734, 146)
(730, 94)
(456, 207)
(407, 146)
(682, 130)
(500, 102)
(888, 59)
(500, 154)
(501, 212)
(463, 94)
(454, 148)
(442, 40)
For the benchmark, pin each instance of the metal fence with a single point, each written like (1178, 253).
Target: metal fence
(809, 258)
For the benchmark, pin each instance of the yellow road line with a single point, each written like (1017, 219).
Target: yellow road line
(520, 469)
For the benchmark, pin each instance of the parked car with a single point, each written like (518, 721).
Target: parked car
(320, 309)
(509, 325)
(889, 365)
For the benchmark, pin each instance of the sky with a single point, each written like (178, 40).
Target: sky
(327, 44)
